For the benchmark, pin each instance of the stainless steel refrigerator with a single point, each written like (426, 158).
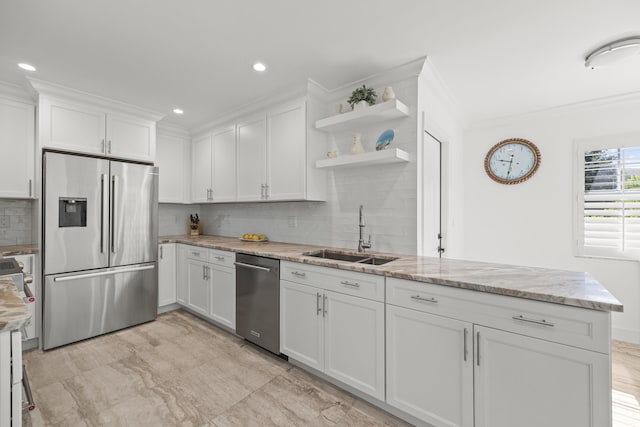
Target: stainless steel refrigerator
(100, 246)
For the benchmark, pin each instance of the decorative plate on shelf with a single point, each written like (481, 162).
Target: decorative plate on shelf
(385, 139)
(254, 238)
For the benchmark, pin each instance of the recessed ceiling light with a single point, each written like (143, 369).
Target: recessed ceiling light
(27, 67)
(178, 111)
(259, 66)
(614, 52)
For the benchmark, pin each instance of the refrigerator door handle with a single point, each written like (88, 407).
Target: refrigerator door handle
(103, 273)
(114, 185)
(103, 215)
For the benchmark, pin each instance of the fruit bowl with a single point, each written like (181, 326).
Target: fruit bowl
(254, 237)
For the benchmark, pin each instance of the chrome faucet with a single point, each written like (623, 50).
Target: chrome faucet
(362, 245)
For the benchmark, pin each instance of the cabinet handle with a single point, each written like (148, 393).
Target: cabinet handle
(211, 194)
(204, 273)
(104, 147)
(348, 283)
(220, 258)
(465, 344)
(419, 298)
(324, 305)
(537, 322)
(298, 274)
(161, 257)
(262, 191)
(208, 272)
(30, 188)
(195, 253)
(266, 191)
(478, 348)
(109, 149)
(318, 309)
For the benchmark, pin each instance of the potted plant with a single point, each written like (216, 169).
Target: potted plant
(362, 97)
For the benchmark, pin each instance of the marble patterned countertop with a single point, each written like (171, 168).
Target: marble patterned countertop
(8, 251)
(14, 313)
(556, 286)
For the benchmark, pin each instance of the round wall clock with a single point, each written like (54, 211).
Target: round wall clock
(512, 161)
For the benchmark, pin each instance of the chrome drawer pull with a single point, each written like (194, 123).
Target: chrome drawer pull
(297, 273)
(419, 298)
(220, 258)
(195, 253)
(348, 283)
(537, 322)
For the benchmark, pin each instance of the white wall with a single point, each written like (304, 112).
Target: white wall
(532, 223)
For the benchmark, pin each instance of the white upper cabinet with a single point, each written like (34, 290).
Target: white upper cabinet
(173, 157)
(17, 145)
(223, 151)
(201, 169)
(75, 121)
(252, 159)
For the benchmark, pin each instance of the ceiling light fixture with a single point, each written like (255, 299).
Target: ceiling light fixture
(178, 111)
(27, 67)
(259, 67)
(613, 52)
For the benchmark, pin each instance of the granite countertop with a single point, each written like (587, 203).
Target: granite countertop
(541, 284)
(14, 313)
(8, 251)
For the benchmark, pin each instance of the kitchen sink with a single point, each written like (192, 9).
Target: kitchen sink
(350, 257)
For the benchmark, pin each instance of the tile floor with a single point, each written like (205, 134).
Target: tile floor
(180, 370)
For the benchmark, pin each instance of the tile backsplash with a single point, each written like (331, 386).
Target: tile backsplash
(16, 222)
(174, 218)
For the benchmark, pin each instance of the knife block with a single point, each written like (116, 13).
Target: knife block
(194, 229)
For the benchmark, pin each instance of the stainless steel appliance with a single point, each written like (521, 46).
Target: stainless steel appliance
(258, 300)
(100, 246)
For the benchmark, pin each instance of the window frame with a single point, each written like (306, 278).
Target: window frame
(580, 147)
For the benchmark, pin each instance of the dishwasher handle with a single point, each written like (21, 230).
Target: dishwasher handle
(255, 267)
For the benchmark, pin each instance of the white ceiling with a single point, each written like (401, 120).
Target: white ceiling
(498, 57)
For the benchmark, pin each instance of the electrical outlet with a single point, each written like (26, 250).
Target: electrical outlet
(292, 221)
(5, 221)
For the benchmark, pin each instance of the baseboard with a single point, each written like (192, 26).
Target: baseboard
(168, 308)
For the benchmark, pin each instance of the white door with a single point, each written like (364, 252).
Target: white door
(131, 138)
(73, 127)
(170, 161)
(17, 145)
(529, 382)
(166, 274)
(223, 295)
(301, 323)
(430, 366)
(182, 276)
(286, 152)
(354, 342)
(201, 169)
(224, 165)
(199, 289)
(252, 159)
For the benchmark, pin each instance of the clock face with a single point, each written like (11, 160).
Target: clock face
(512, 161)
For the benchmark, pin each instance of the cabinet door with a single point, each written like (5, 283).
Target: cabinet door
(167, 274)
(170, 159)
(201, 169)
(430, 366)
(223, 295)
(182, 278)
(301, 323)
(199, 295)
(131, 138)
(354, 342)
(252, 159)
(72, 127)
(5, 378)
(17, 145)
(286, 153)
(224, 165)
(530, 382)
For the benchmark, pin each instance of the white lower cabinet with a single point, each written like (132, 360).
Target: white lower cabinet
(198, 287)
(167, 274)
(339, 334)
(430, 366)
(10, 379)
(530, 382)
(222, 307)
(182, 276)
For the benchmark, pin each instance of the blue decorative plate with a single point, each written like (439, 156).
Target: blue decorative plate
(385, 139)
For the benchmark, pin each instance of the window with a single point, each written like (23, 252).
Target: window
(609, 197)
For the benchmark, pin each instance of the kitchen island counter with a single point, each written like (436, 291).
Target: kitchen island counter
(571, 288)
(14, 313)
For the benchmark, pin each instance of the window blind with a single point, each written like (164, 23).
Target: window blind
(611, 202)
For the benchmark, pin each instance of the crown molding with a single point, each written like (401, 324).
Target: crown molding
(169, 129)
(55, 90)
(16, 93)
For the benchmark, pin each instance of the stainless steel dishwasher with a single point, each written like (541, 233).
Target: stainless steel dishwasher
(258, 300)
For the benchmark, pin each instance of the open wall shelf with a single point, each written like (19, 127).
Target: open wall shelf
(390, 155)
(392, 109)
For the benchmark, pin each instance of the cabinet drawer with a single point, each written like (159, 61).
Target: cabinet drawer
(196, 253)
(578, 327)
(346, 282)
(223, 258)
